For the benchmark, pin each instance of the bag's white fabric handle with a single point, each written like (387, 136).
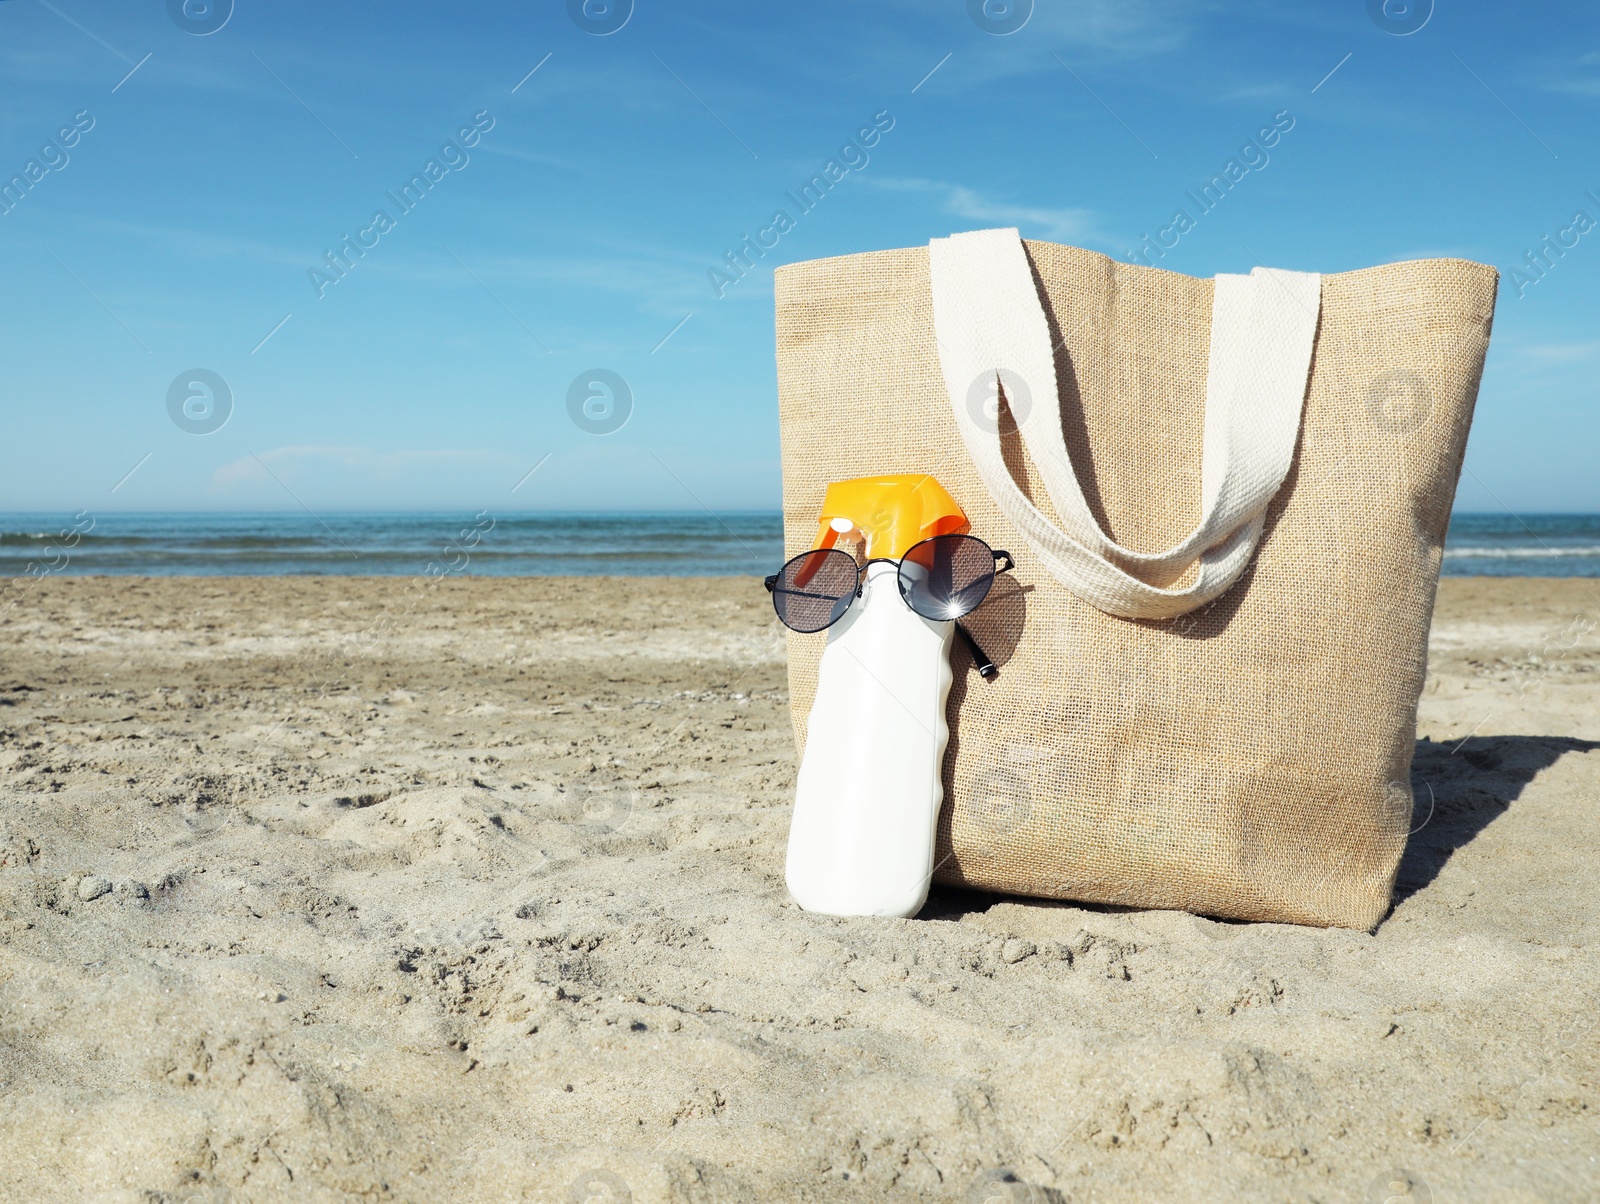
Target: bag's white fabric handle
(990, 326)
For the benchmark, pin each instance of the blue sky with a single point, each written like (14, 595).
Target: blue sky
(580, 231)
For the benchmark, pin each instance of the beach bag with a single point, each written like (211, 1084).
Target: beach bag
(1227, 501)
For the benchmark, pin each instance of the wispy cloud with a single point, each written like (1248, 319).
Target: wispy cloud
(1090, 34)
(1131, 28)
(188, 242)
(1579, 77)
(1106, 28)
(369, 464)
(513, 152)
(1558, 353)
(1074, 225)
(1270, 92)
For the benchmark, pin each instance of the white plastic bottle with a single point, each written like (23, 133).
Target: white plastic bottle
(870, 784)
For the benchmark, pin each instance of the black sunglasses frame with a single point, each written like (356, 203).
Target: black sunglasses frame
(985, 666)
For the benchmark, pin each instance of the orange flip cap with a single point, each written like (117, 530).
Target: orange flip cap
(894, 512)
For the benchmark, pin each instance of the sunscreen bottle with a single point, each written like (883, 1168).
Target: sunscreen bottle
(870, 784)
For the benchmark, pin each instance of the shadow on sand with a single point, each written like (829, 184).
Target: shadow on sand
(1459, 787)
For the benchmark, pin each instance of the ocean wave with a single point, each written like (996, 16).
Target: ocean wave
(1518, 553)
(32, 539)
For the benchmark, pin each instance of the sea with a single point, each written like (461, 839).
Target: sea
(657, 543)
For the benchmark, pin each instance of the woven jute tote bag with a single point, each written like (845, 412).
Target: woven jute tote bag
(1227, 501)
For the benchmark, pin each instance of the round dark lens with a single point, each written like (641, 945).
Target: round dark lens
(947, 576)
(814, 589)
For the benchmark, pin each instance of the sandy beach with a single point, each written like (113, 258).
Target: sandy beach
(330, 889)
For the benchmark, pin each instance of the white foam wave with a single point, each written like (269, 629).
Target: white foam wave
(1517, 553)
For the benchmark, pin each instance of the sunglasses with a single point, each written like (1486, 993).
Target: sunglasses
(942, 579)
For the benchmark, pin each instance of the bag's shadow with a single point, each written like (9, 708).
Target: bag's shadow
(1459, 789)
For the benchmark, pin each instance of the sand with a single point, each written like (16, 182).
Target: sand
(337, 889)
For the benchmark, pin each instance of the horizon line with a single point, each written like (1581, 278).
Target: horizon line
(586, 510)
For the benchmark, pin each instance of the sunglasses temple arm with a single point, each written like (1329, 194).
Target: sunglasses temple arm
(981, 662)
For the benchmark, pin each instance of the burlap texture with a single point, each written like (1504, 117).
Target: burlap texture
(1250, 759)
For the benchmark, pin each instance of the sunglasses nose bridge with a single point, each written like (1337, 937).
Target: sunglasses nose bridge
(939, 555)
